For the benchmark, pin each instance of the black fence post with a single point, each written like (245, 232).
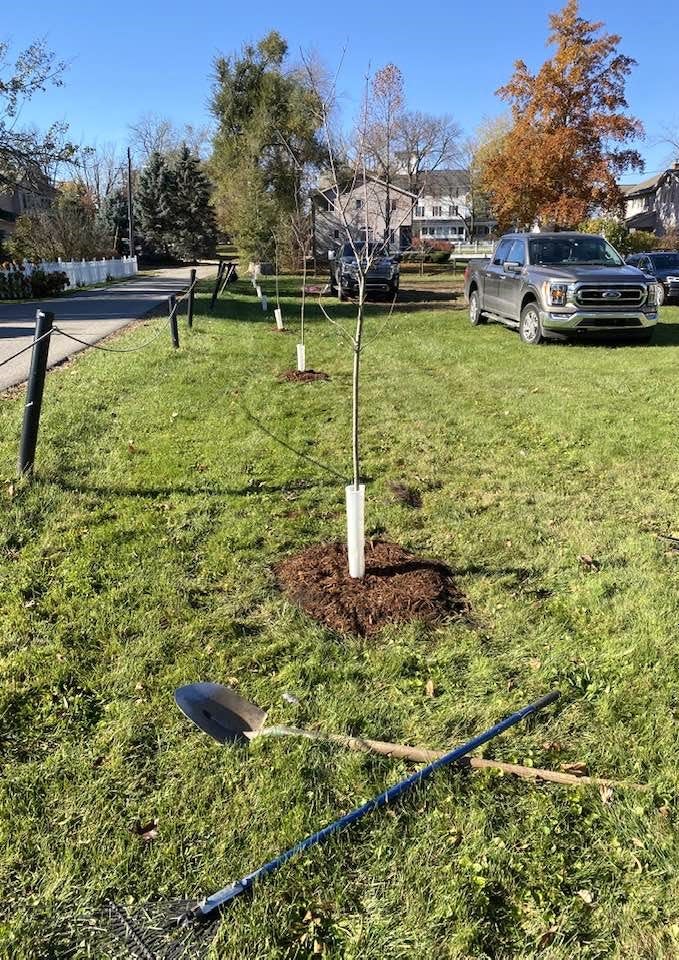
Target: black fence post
(220, 271)
(189, 305)
(174, 329)
(34, 391)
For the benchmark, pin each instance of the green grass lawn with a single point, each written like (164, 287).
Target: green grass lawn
(141, 559)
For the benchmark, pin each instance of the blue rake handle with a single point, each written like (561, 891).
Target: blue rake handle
(223, 896)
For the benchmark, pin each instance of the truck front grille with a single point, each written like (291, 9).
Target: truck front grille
(610, 321)
(614, 295)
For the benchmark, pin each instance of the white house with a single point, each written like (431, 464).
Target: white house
(367, 209)
(653, 204)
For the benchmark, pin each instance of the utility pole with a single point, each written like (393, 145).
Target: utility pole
(130, 214)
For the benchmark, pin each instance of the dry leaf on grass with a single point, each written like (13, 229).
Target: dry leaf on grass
(589, 562)
(147, 831)
(429, 687)
(586, 896)
(535, 663)
(606, 793)
(577, 769)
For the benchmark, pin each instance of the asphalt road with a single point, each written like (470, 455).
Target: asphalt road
(90, 315)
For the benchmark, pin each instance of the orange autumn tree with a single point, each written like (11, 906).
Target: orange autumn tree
(568, 143)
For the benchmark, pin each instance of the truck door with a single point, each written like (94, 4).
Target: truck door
(510, 281)
(492, 274)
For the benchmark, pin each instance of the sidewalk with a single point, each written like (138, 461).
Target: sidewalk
(90, 315)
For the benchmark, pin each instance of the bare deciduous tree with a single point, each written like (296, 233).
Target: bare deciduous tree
(426, 142)
(152, 133)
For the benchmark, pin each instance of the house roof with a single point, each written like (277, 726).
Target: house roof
(438, 181)
(396, 184)
(646, 186)
(647, 220)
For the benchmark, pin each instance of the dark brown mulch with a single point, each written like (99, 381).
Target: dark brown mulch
(397, 587)
(306, 376)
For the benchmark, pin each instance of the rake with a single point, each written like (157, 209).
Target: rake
(166, 935)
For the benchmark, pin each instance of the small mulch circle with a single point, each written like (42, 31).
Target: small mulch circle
(397, 587)
(302, 376)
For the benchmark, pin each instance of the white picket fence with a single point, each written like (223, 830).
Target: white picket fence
(85, 272)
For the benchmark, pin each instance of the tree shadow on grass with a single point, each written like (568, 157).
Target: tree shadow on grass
(152, 493)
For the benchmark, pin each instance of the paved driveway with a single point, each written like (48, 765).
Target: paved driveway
(90, 315)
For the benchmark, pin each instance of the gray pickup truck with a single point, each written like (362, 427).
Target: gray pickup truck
(552, 286)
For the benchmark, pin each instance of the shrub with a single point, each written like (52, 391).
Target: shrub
(48, 284)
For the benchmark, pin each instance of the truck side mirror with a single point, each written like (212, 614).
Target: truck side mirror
(512, 266)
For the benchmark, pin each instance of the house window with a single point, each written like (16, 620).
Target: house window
(394, 204)
(336, 234)
(453, 210)
(419, 211)
(359, 204)
(436, 211)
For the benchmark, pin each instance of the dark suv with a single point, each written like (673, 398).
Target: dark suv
(383, 270)
(663, 267)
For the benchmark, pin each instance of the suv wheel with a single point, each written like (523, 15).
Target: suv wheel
(475, 315)
(530, 327)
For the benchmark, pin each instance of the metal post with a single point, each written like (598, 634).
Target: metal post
(174, 330)
(34, 391)
(220, 271)
(189, 305)
(130, 213)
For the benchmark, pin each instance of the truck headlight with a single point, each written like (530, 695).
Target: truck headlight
(558, 294)
(652, 295)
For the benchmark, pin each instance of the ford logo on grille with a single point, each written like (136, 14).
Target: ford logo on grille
(611, 295)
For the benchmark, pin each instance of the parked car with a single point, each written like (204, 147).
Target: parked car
(552, 286)
(663, 267)
(384, 270)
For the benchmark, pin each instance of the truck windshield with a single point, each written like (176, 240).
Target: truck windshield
(665, 261)
(584, 250)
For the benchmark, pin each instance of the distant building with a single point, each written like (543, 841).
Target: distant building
(365, 211)
(653, 204)
(23, 199)
(445, 209)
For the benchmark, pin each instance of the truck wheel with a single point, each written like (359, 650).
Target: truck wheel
(661, 294)
(475, 315)
(530, 327)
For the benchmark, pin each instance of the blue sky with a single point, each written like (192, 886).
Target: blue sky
(153, 56)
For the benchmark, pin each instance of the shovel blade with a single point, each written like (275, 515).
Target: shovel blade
(219, 711)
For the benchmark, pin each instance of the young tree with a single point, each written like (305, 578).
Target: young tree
(192, 232)
(154, 197)
(27, 156)
(568, 144)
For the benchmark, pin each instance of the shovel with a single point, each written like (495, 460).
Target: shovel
(229, 718)
(225, 719)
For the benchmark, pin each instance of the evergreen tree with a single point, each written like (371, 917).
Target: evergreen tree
(193, 232)
(113, 217)
(268, 120)
(154, 203)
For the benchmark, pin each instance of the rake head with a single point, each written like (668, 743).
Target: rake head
(154, 931)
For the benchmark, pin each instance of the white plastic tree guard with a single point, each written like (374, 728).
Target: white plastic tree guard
(355, 529)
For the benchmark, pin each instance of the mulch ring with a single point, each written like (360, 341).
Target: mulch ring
(397, 587)
(303, 376)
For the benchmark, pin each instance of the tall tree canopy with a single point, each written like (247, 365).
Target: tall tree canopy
(267, 137)
(569, 141)
(193, 232)
(27, 156)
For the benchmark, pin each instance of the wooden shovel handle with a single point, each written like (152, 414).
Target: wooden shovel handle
(421, 755)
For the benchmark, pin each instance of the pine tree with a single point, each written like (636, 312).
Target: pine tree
(154, 203)
(193, 231)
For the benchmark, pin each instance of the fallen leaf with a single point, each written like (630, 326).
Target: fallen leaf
(588, 561)
(429, 687)
(10, 490)
(147, 831)
(605, 793)
(535, 664)
(586, 896)
(547, 937)
(578, 769)
(318, 946)
(664, 811)
(551, 745)
(131, 447)
(233, 681)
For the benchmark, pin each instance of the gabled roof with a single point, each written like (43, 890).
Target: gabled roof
(438, 182)
(344, 186)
